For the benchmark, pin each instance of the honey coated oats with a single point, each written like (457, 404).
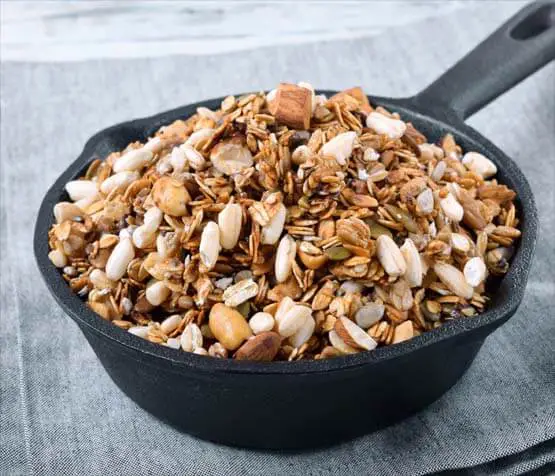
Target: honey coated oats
(285, 226)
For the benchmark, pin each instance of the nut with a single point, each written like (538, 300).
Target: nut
(479, 164)
(340, 147)
(262, 347)
(170, 196)
(403, 332)
(272, 231)
(454, 280)
(353, 335)
(229, 222)
(210, 245)
(413, 274)
(191, 339)
(240, 292)
(293, 320)
(452, 208)
(261, 322)
(369, 314)
(229, 327)
(392, 128)
(475, 271)
(390, 256)
(80, 189)
(285, 256)
(120, 257)
(231, 157)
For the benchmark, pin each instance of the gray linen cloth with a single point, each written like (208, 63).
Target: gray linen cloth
(59, 411)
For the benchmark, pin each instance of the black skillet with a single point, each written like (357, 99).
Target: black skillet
(311, 403)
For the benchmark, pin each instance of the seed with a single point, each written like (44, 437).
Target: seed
(210, 245)
(272, 231)
(170, 324)
(393, 128)
(230, 157)
(240, 292)
(452, 208)
(117, 181)
(156, 292)
(139, 331)
(80, 189)
(425, 202)
(454, 280)
(133, 160)
(66, 211)
(479, 164)
(475, 271)
(228, 326)
(285, 256)
(293, 320)
(390, 256)
(413, 274)
(57, 258)
(303, 333)
(339, 344)
(369, 314)
(191, 339)
(353, 335)
(403, 332)
(337, 253)
(340, 147)
(229, 222)
(121, 256)
(261, 322)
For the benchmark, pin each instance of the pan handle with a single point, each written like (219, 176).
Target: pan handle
(524, 44)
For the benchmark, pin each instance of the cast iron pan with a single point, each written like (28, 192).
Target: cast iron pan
(312, 403)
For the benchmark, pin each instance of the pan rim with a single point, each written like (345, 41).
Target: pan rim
(82, 315)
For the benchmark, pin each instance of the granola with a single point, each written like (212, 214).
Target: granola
(285, 226)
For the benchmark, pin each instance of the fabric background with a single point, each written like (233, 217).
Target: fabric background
(61, 414)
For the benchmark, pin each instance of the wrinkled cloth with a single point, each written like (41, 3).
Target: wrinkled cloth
(59, 411)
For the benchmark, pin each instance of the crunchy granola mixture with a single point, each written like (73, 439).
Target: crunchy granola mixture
(285, 226)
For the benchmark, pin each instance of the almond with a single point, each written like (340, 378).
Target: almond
(263, 347)
(292, 106)
(353, 335)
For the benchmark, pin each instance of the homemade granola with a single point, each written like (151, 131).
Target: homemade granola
(285, 226)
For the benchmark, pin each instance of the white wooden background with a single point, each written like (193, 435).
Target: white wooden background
(78, 30)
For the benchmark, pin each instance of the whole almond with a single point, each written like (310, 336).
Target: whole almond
(262, 347)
